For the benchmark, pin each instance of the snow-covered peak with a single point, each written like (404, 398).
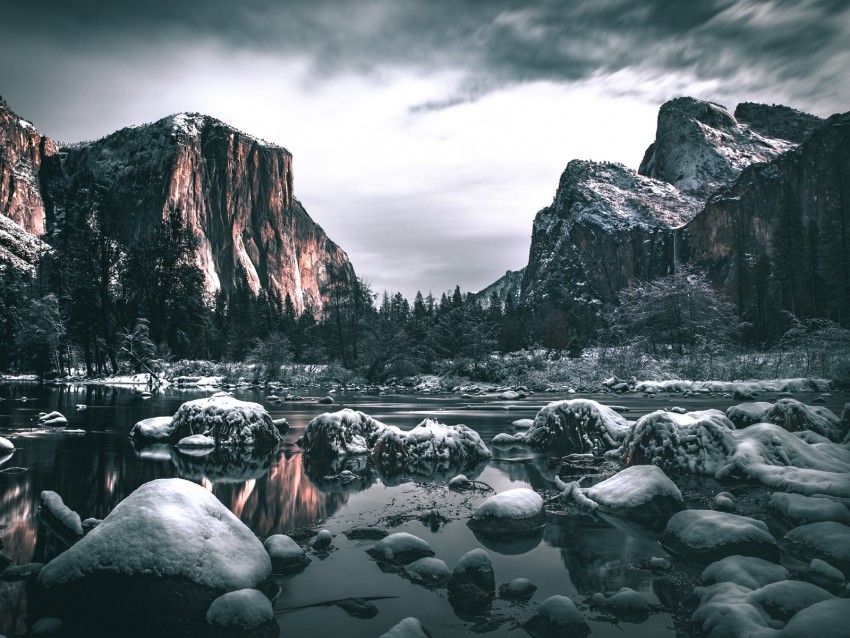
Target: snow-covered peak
(700, 146)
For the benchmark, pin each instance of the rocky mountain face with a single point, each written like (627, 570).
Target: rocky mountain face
(699, 146)
(783, 225)
(233, 191)
(508, 285)
(715, 190)
(606, 227)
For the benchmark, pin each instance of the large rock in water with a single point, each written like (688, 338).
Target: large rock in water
(513, 513)
(639, 492)
(342, 433)
(159, 558)
(707, 536)
(576, 426)
(227, 421)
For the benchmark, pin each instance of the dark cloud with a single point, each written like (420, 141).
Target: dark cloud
(755, 43)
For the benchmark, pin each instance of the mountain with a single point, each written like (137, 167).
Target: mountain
(508, 285)
(699, 146)
(716, 190)
(233, 191)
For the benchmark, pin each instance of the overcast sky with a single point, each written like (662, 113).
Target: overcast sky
(426, 133)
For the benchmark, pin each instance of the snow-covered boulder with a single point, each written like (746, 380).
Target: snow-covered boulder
(428, 448)
(522, 424)
(748, 413)
(65, 521)
(244, 609)
(428, 571)
(625, 603)
(400, 548)
(196, 441)
(171, 546)
(6, 445)
(341, 433)
(785, 598)
(576, 426)
(827, 619)
(53, 419)
(557, 617)
(473, 577)
(795, 417)
(517, 589)
(828, 541)
(724, 502)
(286, 555)
(155, 429)
(800, 510)
(747, 571)
(226, 420)
(512, 513)
(407, 628)
(639, 492)
(695, 442)
(706, 535)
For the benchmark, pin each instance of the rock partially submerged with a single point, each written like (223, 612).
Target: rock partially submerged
(6, 445)
(342, 433)
(706, 535)
(155, 429)
(625, 603)
(576, 426)
(557, 617)
(638, 492)
(429, 447)
(407, 628)
(226, 420)
(286, 555)
(517, 589)
(800, 510)
(400, 548)
(473, 578)
(517, 512)
(171, 546)
(368, 532)
(244, 609)
(746, 571)
(428, 571)
(52, 419)
(65, 521)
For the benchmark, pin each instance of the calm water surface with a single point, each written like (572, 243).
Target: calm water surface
(576, 555)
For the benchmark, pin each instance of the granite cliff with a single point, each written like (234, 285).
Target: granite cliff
(233, 191)
(716, 190)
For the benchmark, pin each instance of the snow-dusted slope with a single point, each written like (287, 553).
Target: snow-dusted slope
(19, 248)
(606, 227)
(508, 285)
(699, 146)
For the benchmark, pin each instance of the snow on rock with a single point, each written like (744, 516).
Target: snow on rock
(517, 589)
(228, 421)
(53, 419)
(407, 628)
(196, 441)
(724, 502)
(60, 514)
(400, 548)
(825, 573)
(158, 428)
(514, 512)
(827, 619)
(694, 442)
(243, 609)
(746, 414)
(509, 439)
(828, 541)
(557, 617)
(747, 571)
(6, 445)
(169, 535)
(706, 535)
(751, 387)
(795, 416)
(473, 576)
(800, 510)
(341, 433)
(428, 571)
(429, 447)
(286, 555)
(640, 491)
(626, 603)
(522, 424)
(576, 426)
(785, 598)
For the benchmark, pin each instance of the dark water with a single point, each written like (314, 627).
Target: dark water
(576, 556)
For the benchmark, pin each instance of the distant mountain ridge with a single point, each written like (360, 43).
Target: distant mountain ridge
(234, 192)
(767, 188)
